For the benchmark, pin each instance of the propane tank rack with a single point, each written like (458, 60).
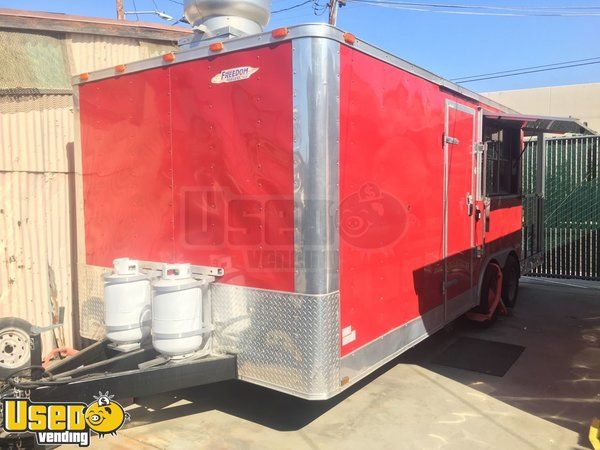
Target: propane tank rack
(136, 372)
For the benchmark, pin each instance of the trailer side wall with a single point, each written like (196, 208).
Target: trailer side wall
(391, 192)
(394, 263)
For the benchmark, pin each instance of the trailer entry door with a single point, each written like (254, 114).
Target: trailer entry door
(459, 137)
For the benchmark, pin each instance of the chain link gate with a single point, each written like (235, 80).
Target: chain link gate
(570, 207)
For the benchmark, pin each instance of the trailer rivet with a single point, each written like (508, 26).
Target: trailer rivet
(216, 47)
(349, 38)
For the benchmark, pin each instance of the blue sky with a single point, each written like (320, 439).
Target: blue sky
(450, 45)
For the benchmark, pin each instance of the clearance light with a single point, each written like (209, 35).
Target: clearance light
(120, 68)
(279, 32)
(169, 57)
(349, 38)
(84, 76)
(216, 47)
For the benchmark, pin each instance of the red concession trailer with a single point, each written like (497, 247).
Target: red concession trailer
(346, 203)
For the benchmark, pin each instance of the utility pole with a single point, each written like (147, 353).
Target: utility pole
(333, 9)
(120, 11)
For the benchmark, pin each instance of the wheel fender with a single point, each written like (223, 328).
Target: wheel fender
(500, 257)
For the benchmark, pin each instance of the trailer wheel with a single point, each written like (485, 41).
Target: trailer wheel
(487, 295)
(15, 352)
(510, 282)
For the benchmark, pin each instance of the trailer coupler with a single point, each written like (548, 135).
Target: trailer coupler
(99, 368)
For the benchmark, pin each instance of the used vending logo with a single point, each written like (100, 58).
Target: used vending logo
(235, 74)
(366, 215)
(64, 423)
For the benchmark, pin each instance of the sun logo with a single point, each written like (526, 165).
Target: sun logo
(105, 416)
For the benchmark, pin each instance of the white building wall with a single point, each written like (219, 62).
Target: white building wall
(581, 101)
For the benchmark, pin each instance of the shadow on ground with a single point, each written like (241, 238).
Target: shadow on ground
(556, 378)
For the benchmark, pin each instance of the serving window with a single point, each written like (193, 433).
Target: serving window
(503, 144)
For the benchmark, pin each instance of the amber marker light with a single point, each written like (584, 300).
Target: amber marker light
(216, 46)
(120, 68)
(349, 38)
(279, 32)
(169, 57)
(84, 76)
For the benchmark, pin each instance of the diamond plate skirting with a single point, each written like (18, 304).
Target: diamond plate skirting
(91, 301)
(286, 341)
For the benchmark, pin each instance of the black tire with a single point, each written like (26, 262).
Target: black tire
(487, 283)
(510, 281)
(15, 351)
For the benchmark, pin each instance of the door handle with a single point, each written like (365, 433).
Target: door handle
(486, 214)
(470, 205)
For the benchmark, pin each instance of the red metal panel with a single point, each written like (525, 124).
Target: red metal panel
(460, 183)
(126, 167)
(391, 181)
(505, 226)
(233, 167)
(178, 168)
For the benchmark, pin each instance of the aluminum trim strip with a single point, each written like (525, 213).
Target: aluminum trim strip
(375, 354)
(316, 172)
(295, 32)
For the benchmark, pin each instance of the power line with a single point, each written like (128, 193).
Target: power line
(491, 7)
(292, 7)
(462, 79)
(464, 9)
(135, 9)
(530, 71)
(298, 5)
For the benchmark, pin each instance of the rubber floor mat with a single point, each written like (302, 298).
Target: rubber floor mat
(479, 355)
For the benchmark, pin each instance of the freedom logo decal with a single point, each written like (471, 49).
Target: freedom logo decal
(235, 74)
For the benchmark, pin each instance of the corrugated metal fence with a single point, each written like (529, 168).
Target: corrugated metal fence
(37, 200)
(571, 206)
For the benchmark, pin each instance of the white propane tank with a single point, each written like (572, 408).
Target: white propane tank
(127, 303)
(176, 311)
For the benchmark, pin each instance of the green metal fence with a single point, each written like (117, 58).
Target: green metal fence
(571, 206)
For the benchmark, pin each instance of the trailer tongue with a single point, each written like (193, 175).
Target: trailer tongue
(139, 373)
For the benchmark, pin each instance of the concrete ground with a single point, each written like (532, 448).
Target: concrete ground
(546, 400)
